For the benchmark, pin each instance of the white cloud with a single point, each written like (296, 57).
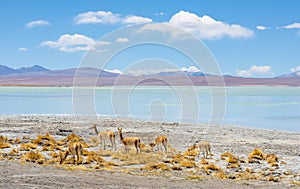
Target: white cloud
(103, 17)
(256, 71)
(22, 49)
(114, 71)
(175, 34)
(122, 40)
(97, 17)
(37, 23)
(297, 69)
(71, 43)
(291, 26)
(262, 28)
(206, 27)
(159, 14)
(190, 69)
(136, 20)
(139, 72)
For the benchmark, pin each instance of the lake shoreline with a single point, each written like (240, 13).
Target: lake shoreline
(239, 141)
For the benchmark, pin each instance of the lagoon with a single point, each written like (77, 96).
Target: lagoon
(250, 106)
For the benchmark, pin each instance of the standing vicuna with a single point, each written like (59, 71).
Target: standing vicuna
(74, 148)
(161, 140)
(204, 147)
(130, 141)
(105, 135)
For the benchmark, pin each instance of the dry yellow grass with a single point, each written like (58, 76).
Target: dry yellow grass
(76, 168)
(191, 153)
(178, 158)
(212, 166)
(156, 166)
(176, 168)
(105, 152)
(274, 179)
(33, 156)
(27, 146)
(232, 159)
(274, 164)
(271, 158)
(256, 154)
(204, 161)
(194, 177)
(4, 144)
(14, 152)
(54, 154)
(220, 174)
(14, 141)
(297, 183)
(187, 164)
(233, 165)
(3, 138)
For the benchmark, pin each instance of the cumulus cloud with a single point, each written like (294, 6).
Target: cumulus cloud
(256, 71)
(136, 20)
(297, 69)
(22, 49)
(103, 17)
(71, 43)
(190, 69)
(291, 26)
(206, 27)
(262, 28)
(139, 72)
(114, 71)
(122, 40)
(97, 17)
(37, 23)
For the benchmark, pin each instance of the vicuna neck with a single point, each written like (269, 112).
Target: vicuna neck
(121, 136)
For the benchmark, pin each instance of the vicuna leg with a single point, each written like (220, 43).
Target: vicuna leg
(78, 155)
(136, 147)
(165, 145)
(113, 143)
(62, 158)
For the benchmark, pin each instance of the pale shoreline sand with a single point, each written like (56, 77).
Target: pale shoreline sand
(237, 140)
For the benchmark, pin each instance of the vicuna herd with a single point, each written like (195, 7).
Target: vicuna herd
(76, 148)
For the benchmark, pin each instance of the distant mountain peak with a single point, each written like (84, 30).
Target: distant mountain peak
(5, 70)
(35, 68)
(290, 75)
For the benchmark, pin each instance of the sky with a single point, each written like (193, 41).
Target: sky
(247, 38)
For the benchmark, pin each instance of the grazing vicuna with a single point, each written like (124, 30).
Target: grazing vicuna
(205, 148)
(74, 148)
(161, 140)
(105, 135)
(130, 141)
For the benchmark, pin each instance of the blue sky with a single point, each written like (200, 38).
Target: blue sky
(247, 38)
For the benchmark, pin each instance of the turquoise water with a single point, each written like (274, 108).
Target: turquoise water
(261, 107)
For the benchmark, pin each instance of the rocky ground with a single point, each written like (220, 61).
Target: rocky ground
(229, 167)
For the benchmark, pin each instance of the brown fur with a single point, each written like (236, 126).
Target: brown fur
(152, 145)
(105, 135)
(204, 147)
(74, 148)
(161, 140)
(130, 141)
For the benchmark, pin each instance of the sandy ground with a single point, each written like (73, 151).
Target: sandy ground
(236, 140)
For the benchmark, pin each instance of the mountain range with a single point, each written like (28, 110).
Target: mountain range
(39, 76)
